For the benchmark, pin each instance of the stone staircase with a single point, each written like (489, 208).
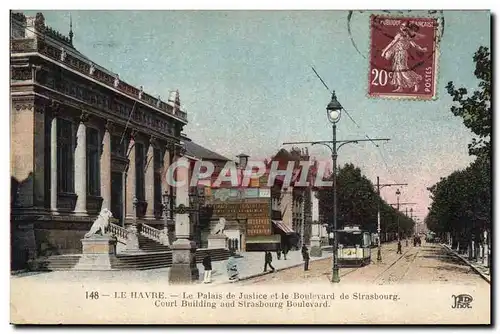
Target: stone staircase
(152, 254)
(149, 238)
(124, 261)
(54, 263)
(161, 259)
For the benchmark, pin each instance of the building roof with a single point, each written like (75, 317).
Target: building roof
(60, 49)
(201, 152)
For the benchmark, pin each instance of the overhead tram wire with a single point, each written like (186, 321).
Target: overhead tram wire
(357, 125)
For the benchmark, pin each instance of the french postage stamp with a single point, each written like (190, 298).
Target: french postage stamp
(403, 57)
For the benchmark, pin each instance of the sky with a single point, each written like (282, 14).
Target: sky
(245, 79)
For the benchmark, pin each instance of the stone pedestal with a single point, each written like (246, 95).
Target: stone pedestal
(184, 269)
(217, 241)
(164, 238)
(316, 246)
(97, 253)
(132, 238)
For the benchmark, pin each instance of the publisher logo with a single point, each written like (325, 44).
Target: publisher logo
(462, 301)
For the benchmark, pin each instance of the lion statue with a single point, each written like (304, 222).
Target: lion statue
(220, 226)
(101, 223)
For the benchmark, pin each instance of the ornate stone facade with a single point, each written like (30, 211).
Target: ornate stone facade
(75, 138)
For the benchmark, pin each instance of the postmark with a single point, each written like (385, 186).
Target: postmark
(403, 57)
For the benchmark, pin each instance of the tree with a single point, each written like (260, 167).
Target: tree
(356, 202)
(461, 202)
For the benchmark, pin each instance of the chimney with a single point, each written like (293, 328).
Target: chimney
(243, 160)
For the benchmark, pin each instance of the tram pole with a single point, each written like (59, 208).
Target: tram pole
(335, 267)
(333, 112)
(380, 186)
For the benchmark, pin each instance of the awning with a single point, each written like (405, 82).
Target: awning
(279, 224)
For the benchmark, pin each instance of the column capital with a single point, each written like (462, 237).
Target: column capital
(153, 141)
(109, 126)
(55, 108)
(176, 147)
(133, 134)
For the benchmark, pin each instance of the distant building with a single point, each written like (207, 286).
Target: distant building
(201, 220)
(294, 203)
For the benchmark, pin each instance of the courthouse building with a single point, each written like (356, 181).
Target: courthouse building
(82, 139)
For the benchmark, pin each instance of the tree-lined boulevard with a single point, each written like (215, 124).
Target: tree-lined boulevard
(430, 263)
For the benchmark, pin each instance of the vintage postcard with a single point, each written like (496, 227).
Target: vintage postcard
(250, 167)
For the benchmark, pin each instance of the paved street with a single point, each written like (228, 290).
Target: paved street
(430, 263)
(427, 264)
(248, 264)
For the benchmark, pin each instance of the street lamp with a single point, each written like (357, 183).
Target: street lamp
(411, 218)
(168, 199)
(333, 113)
(133, 228)
(170, 209)
(397, 194)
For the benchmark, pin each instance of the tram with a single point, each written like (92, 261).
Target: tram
(354, 247)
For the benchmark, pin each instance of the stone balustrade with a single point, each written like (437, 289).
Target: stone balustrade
(120, 232)
(151, 232)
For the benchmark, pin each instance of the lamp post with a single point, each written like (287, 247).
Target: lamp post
(411, 218)
(168, 200)
(132, 237)
(333, 113)
(397, 194)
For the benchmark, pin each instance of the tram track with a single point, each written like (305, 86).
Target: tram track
(374, 262)
(410, 264)
(388, 276)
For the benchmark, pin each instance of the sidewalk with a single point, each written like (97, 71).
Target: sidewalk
(479, 267)
(251, 264)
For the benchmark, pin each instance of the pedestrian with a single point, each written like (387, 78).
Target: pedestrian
(268, 258)
(285, 250)
(305, 257)
(207, 264)
(232, 268)
(399, 247)
(278, 254)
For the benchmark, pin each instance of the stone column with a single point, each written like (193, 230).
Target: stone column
(130, 180)
(81, 167)
(184, 269)
(150, 181)
(316, 238)
(105, 169)
(53, 163)
(165, 188)
(166, 164)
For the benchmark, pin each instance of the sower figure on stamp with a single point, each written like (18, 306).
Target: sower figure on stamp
(403, 76)
(305, 257)
(268, 258)
(207, 264)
